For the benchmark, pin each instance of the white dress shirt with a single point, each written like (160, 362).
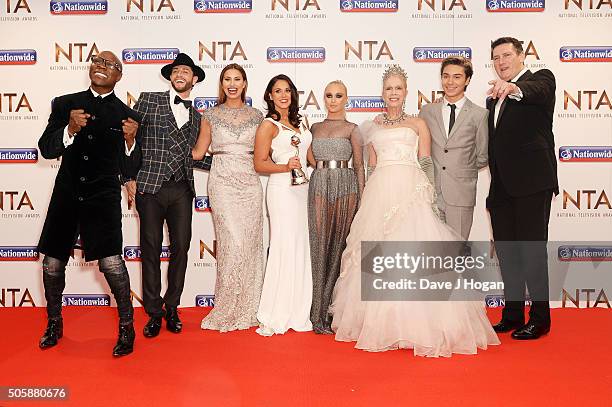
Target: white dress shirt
(180, 112)
(446, 112)
(516, 96)
(69, 139)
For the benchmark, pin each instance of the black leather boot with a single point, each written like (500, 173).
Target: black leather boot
(54, 331)
(125, 342)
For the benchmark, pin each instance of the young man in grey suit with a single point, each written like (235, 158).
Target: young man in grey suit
(459, 137)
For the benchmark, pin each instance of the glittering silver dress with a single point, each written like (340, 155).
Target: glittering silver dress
(235, 195)
(333, 199)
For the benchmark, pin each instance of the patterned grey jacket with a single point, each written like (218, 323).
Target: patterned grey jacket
(155, 134)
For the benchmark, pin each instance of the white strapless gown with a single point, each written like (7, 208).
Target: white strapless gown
(396, 206)
(287, 289)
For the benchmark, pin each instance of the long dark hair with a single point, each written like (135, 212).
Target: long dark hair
(222, 96)
(295, 118)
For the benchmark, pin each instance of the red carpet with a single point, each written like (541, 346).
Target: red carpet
(204, 368)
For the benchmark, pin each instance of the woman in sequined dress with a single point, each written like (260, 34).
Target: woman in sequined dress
(333, 198)
(235, 195)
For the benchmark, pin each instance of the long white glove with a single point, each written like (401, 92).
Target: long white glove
(428, 168)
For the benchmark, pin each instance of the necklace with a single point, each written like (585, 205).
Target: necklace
(390, 122)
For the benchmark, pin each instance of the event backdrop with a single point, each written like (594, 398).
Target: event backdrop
(46, 47)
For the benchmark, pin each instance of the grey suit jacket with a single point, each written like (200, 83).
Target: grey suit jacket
(458, 158)
(157, 126)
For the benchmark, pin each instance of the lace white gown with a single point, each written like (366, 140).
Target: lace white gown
(396, 206)
(237, 210)
(287, 289)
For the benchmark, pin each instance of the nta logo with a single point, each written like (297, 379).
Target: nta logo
(7, 105)
(375, 50)
(230, 51)
(19, 5)
(154, 6)
(444, 4)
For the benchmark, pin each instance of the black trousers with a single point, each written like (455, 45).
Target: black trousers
(173, 204)
(520, 230)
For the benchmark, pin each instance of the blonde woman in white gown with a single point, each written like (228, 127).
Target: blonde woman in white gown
(397, 205)
(287, 289)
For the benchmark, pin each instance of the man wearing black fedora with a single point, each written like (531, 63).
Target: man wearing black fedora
(164, 188)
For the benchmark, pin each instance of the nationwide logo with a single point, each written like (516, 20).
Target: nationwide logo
(18, 253)
(17, 57)
(585, 154)
(203, 103)
(495, 301)
(202, 204)
(86, 300)
(78, 7)
(355, 6)
(18, 155)
(205, 300)
(514, 6)
(433, 54)
(585, 54)
(149, 55)
(295, 54)
(584, 253)
(133, 253)
(223, 6)
(365, 104)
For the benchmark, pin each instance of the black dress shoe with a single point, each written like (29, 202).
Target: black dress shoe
(151, 329)
(125, 343)
(507, 326)
(173, 323)
(54, 331)
(530, 331)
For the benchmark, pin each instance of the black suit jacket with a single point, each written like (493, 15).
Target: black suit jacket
(98, 150)
(522, 146)
(87, 186)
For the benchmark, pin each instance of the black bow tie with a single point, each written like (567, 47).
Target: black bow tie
(186, 103)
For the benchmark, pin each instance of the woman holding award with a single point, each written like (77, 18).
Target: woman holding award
(235, 194)
(333, 198)
(281, 143)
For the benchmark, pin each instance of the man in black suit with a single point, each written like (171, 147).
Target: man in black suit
(523, 180)
(94, 133)
(165, 188)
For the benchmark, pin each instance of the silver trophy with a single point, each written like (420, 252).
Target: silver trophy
(297, 175)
